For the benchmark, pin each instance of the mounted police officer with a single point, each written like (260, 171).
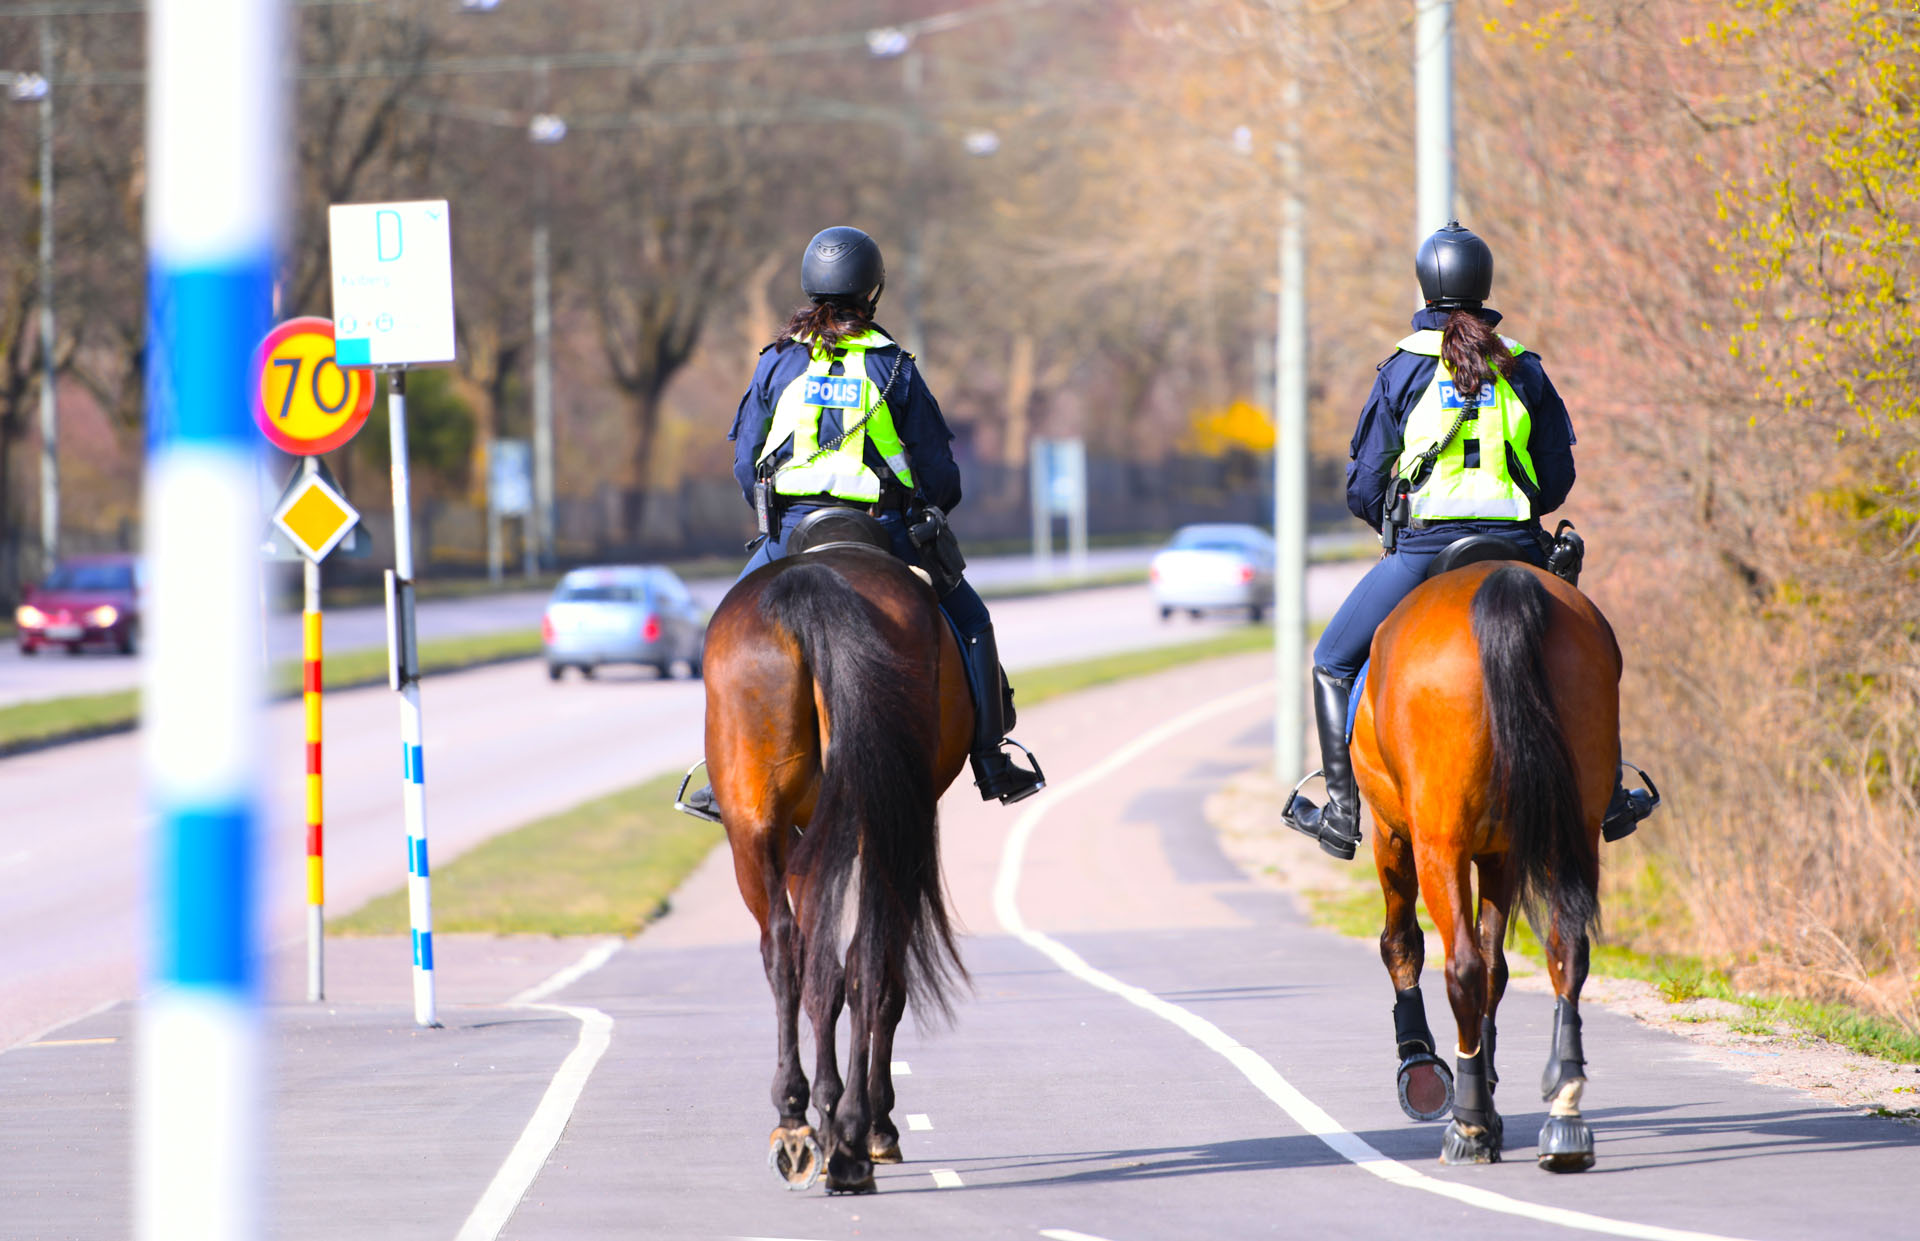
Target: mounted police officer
(837, 415)
(1462, 435)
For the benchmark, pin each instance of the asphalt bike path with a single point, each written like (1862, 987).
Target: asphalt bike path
(1241, 1083)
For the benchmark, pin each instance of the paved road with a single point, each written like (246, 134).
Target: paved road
(503, 746)
(1074, 1099)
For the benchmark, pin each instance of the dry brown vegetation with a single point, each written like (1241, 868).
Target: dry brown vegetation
(1704, 213)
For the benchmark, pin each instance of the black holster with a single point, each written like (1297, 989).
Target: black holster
(939, 547)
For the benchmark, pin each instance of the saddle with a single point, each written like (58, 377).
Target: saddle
(837, 526)
(1478, 547)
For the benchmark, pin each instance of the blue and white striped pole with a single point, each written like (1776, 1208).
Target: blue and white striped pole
(213, 145)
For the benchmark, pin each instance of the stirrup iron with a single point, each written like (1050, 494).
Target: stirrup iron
(680, 798)
(1286, 811)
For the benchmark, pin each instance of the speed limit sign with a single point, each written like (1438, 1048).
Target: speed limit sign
(303, 401)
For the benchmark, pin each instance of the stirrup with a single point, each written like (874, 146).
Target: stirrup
(681, 804)
(1038, 776)
(1623, 825)
(1286, 811)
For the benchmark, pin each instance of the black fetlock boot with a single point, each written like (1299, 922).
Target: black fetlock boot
(1337, 825)
(998, 777)
(1628, 806)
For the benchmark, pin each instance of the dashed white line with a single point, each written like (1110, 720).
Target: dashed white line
(945, 1178)
(901, 1068)
(515, 1177)
(1267, 1079)
(1068, 1234)
(919, 1120)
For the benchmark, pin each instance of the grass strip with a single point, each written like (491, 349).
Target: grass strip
(36, 725)
(607, 867)
(604, 867)
(1360, 911)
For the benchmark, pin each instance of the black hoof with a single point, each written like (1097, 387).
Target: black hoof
(1566, 1144)
(847, 1174)
(1481, 1145)
(1426, 1086)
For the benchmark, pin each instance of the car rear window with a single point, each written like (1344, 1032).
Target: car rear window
(600, 594)
(90, 577)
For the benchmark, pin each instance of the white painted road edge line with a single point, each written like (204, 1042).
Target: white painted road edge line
(1068, 1234)
(515, 1177)
(945, 1178)
(1304, 1111)
(919, 1121)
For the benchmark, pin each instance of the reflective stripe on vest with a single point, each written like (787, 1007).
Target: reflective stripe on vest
(1471, 477)
(798, 414)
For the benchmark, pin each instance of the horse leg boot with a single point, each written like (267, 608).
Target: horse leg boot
(996, 775)
(1336, 825)
(1566, 1141)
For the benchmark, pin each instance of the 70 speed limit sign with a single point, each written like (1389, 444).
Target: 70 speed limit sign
(303, 401)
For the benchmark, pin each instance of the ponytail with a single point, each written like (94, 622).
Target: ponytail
(825, 322)
(1473, 353)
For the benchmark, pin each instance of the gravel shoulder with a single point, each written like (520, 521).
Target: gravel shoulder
(1245, 814)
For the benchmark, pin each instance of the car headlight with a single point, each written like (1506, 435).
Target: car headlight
(29, 617)
(103, 616)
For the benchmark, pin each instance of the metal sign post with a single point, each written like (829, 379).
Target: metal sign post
(1290, 457)
(392, 309)
(1042, 506)
(215, 137)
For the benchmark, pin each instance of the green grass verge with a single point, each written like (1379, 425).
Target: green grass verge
(605, 867)
(1360, 910)
(30, 725)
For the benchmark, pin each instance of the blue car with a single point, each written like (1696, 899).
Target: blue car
(622, 614)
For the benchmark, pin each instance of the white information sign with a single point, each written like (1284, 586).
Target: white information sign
(392, 284)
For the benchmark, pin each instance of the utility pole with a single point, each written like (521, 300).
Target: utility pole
(1290, 450)
(545, 131)
(1433, 88)
(49, 404)
(912, 75)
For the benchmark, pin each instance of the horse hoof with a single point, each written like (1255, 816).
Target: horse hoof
(883, 1148)
(1426, 1087)
(848, 1175)
(1472, 1143)
(795, 1155)
(1566, 1144)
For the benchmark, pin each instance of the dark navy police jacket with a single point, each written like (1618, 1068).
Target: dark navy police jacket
(916, 418)
(1378, 439)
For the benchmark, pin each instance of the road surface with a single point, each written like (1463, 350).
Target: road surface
(1153, 1048)
(504, 746)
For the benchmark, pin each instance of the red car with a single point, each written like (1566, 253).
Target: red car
(89, 599)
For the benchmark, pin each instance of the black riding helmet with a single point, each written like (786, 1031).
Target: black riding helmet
(1455, 269)
(843, 262)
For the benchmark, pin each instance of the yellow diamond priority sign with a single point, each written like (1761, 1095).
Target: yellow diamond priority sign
(314, 516)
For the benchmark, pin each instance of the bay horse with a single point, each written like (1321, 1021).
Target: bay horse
(1487, 740)
(837, 713)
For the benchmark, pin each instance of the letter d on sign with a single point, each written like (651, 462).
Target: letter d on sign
(386, 225)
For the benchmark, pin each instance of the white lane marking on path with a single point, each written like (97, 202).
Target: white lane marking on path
(902, 1069)
(1267, 1079)
(516, 1176)
(1068, 1234)
(919, 1120)
(945, 1178)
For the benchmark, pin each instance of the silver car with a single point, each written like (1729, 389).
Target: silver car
(623, 614)
(1214, 566)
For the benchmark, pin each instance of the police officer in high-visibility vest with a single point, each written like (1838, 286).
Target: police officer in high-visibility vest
(838, 414)
(1465, 425)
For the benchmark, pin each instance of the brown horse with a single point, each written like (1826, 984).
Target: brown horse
(1487, 740)
(837, 713)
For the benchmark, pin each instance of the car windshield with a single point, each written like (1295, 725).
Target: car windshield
(1215, 541)
(600, 594)
(90, 577)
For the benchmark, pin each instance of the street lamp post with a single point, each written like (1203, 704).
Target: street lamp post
(37, 88)
(545, 130)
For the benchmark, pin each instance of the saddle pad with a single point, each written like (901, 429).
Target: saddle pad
(1353, 698)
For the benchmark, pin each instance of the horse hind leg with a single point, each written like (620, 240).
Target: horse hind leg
(825, 996)
(1566, 1141)
(883, 1136)
(1476, 1133)
(792, 1150)
(1423, 1081)
(849, 1164)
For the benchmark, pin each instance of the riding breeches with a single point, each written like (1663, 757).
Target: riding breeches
(1344, 645)
(963, 603)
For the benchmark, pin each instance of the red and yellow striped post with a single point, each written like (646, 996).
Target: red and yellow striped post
(310, 682)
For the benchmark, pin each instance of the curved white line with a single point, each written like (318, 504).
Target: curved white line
(515, 1177)
(1267, 1079)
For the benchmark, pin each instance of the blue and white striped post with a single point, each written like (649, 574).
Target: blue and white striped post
(213, 146)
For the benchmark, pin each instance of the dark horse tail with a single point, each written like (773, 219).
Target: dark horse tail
(877, 803)
(1535, 792)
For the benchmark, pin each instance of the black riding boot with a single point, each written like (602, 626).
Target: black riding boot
(1337, 825)
(1628, 806)
(999, 778)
